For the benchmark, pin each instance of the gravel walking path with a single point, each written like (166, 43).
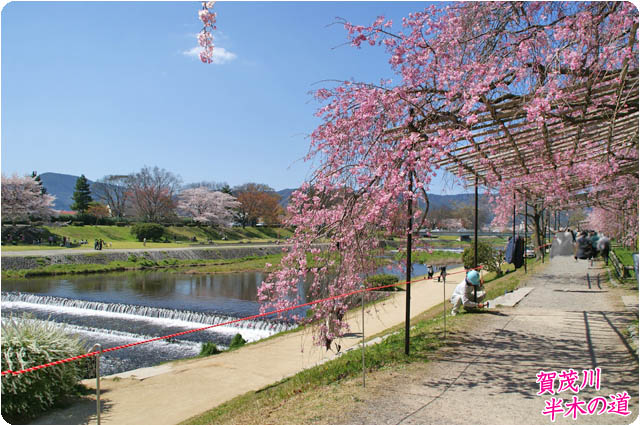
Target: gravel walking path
(489, 375)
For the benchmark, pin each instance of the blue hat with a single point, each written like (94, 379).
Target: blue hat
(473, 277)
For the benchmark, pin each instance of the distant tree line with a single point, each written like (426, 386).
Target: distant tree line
(157, 195)
(152, 195)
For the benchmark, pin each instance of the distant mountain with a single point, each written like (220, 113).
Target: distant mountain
(435, 200)
(285, 194)
(62, 186)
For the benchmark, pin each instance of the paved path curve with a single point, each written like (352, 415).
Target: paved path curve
(489, 376)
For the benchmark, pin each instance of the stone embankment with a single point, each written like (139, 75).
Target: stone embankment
(104, 257)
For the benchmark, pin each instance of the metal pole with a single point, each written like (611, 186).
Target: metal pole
(549, 231)
(513, 235)
(525, 236)
(408, 274)
(97, 347)
(363, 367)
(475, 242)
(544, 235)
(444, 305)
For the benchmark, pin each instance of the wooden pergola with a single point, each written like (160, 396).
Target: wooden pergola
(585, 123)
(594, 119)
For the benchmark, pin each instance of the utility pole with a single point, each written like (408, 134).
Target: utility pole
(408, 275)
(475, 242)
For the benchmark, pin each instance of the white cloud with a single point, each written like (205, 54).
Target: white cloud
(220, 54)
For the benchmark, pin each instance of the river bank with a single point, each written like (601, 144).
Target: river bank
(41, 261)
(207, 259)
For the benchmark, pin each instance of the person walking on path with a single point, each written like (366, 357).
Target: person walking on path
(584, 249)
(443, 273)
(430, 272)
(603, 247)
(594, 237)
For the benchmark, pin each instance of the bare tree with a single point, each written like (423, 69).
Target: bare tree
(257, 201)
(153, 193)
(113, 190)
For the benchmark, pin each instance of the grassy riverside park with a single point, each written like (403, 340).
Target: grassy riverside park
(198, 266)
(121, 237)
(313, 395)
(188, 266)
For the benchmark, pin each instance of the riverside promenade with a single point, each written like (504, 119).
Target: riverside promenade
(487, 375)
(174, 392)
(565, 322)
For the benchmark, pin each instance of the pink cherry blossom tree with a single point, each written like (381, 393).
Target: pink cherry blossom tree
(207, 206)
(470, 78)
(22, 197)
(205, 37)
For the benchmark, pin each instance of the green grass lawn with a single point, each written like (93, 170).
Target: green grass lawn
(120, 237)
(29, 247)
(624, 255)
(435, 257)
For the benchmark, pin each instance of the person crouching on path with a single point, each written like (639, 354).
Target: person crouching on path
(465, 292)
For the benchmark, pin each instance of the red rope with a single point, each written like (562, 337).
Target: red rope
(115, 348)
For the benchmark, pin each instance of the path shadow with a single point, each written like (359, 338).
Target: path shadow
(82, 411)
(507, 361)
(485, 312)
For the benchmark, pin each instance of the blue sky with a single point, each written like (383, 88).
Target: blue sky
(99, 88)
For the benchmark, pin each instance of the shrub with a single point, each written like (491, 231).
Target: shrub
(147, 263)
(487, 256)
(121, 223)
(27, 343)
(237, 341)
(150, 231)
(75, 223)
(382, 279)
(209, 348)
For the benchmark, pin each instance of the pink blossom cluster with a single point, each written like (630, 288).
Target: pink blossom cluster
(379, 145)
(205, 37)
(207, 206)
(22, 197)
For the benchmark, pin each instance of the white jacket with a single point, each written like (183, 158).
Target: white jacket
(466, 293)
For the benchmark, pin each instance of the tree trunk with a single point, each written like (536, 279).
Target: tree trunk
(538, 229)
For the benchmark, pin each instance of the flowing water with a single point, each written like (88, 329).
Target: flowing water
(120, 308)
